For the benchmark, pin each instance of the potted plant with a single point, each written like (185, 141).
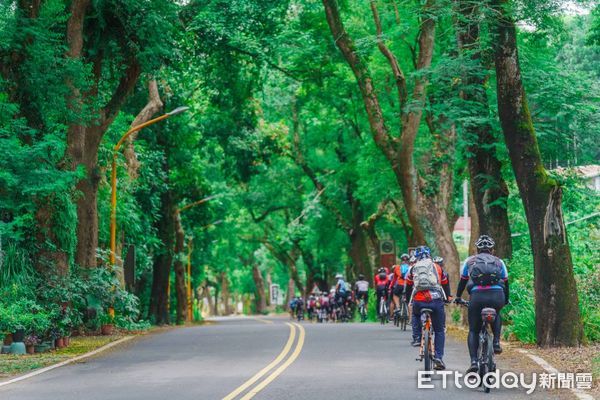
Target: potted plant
(30, 342)
(107, 324)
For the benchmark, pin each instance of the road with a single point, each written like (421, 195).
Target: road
(327, 361)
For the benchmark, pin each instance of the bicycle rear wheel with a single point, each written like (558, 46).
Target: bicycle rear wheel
(485, 345)
(427, 351)
(403, 316)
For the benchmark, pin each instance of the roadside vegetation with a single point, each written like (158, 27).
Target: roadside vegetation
(316, 130)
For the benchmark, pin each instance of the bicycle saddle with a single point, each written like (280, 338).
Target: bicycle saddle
(488, 314)
(429, 310)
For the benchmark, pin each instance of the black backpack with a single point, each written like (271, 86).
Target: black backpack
(485, 269)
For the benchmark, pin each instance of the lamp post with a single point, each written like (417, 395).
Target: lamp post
(113, 177)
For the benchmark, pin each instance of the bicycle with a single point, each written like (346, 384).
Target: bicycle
(362, 309)
(403, 314)
(485, 352)
(426, 351)
(383, 310)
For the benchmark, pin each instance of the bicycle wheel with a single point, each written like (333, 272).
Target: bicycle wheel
(427, 351)
(484, 346)
(404, 316)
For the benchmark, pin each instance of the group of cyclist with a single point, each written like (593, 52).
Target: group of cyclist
(421, 281)
(424, 283)
(338, 304)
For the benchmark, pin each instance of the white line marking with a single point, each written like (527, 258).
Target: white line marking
(581, 395)
(63, 363)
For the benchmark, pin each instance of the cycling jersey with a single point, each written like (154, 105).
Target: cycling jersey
(361, 286)
(399, 273)
(380, 281)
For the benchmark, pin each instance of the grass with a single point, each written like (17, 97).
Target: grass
(11, 365)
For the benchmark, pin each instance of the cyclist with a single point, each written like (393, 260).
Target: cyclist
(431, 289)
(341, 292)
(381, 284)
(361, 289)
(486, 279)
(398, 280)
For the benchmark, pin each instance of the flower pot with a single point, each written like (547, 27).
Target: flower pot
(18, 335)
(67, 340)
(41, 348)
(5, 349)
(8, 339)
(17, 348)
(30, 349)
(59, 343)
(107, 329)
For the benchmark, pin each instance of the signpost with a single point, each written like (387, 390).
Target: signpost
(275, 293)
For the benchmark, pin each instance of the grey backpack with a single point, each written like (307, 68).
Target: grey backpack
(425, 276)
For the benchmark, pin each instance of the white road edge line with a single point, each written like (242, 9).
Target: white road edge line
(66, 362)
(581, 395)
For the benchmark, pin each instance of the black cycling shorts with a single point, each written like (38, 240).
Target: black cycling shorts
(398, 290)
(362, 295)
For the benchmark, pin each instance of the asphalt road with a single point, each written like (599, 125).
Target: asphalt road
(327, 361)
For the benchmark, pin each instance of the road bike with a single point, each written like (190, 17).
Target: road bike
(402, 314)
(362, 309)
(485, 352)
(426, 351)
(383, 310)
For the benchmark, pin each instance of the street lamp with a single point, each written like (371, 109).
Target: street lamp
(113, 178)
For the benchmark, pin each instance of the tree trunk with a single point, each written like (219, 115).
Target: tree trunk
(489, 190)
(225, 294)
(152, 107)
(436, 191)
(84, 137)
(260, 296)
(556, 302)
(159, 300)
(179, 267)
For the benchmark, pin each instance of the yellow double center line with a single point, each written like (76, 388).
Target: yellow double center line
(286, 349)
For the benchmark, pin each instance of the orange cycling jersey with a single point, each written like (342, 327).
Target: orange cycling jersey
(399, 272)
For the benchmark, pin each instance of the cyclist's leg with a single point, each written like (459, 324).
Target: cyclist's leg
(497, 302)
(438, 319)
(477, 303)
(416, 321)
(398, 292)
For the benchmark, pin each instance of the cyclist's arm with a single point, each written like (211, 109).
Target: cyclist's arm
(505, 282)
(464, 279)
(446, 284)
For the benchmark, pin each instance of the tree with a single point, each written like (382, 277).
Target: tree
(400, 151)
(489, 189)
(556, 302)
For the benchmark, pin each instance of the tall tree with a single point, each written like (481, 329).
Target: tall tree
(400, 151)
(556, 301)
(489, 190)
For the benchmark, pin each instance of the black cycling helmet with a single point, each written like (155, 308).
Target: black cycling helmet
(404, 257)
(361, 277)
(381, 270)
(485, 243)
(439, 260)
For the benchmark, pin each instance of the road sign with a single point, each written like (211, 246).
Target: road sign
(275, 293)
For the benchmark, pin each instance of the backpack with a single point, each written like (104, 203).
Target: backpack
(485, 269)
(425, 276)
